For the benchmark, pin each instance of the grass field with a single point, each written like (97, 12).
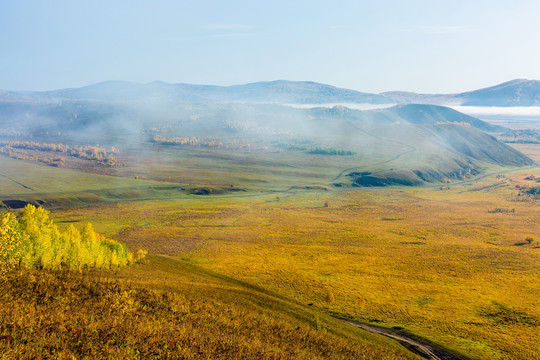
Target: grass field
(168, 309)
(436, 262)
(446, 262)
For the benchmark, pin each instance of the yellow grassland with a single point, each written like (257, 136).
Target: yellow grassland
(433, 261)
(168, 309)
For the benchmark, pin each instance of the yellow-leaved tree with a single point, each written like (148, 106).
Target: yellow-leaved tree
(33, 241)
(10, 242)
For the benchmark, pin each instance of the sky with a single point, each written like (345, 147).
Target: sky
(428, 46)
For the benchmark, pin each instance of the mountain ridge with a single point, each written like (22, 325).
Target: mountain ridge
(517, 92)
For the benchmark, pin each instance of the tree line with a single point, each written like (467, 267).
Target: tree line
(95, 153)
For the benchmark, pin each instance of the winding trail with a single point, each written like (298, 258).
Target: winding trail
(413, 344)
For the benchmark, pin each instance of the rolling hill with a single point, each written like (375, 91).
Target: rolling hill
(513, 93)
(433, 114)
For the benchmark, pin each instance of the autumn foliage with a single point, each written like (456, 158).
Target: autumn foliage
(93, 153)
(33, 241)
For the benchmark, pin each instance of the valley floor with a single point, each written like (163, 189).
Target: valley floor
(257, 272)
(450, 263)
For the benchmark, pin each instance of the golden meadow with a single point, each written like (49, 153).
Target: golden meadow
(440, 263)
(229, 276)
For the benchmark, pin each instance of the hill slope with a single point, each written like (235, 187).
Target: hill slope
(413, 144)
(169, 309)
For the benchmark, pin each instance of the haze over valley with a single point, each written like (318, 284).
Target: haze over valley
(387, 146)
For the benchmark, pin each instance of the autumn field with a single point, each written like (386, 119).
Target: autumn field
(262, 252)
(168, 309)
(443, 264)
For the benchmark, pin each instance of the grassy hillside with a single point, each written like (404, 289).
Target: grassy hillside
(168, 309)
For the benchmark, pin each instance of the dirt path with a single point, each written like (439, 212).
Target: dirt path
(413, 344)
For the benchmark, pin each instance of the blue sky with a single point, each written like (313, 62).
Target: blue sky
(372, 46)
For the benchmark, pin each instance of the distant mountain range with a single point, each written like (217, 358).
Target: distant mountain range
(294, 92)
(512, 93)
(518, 92)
